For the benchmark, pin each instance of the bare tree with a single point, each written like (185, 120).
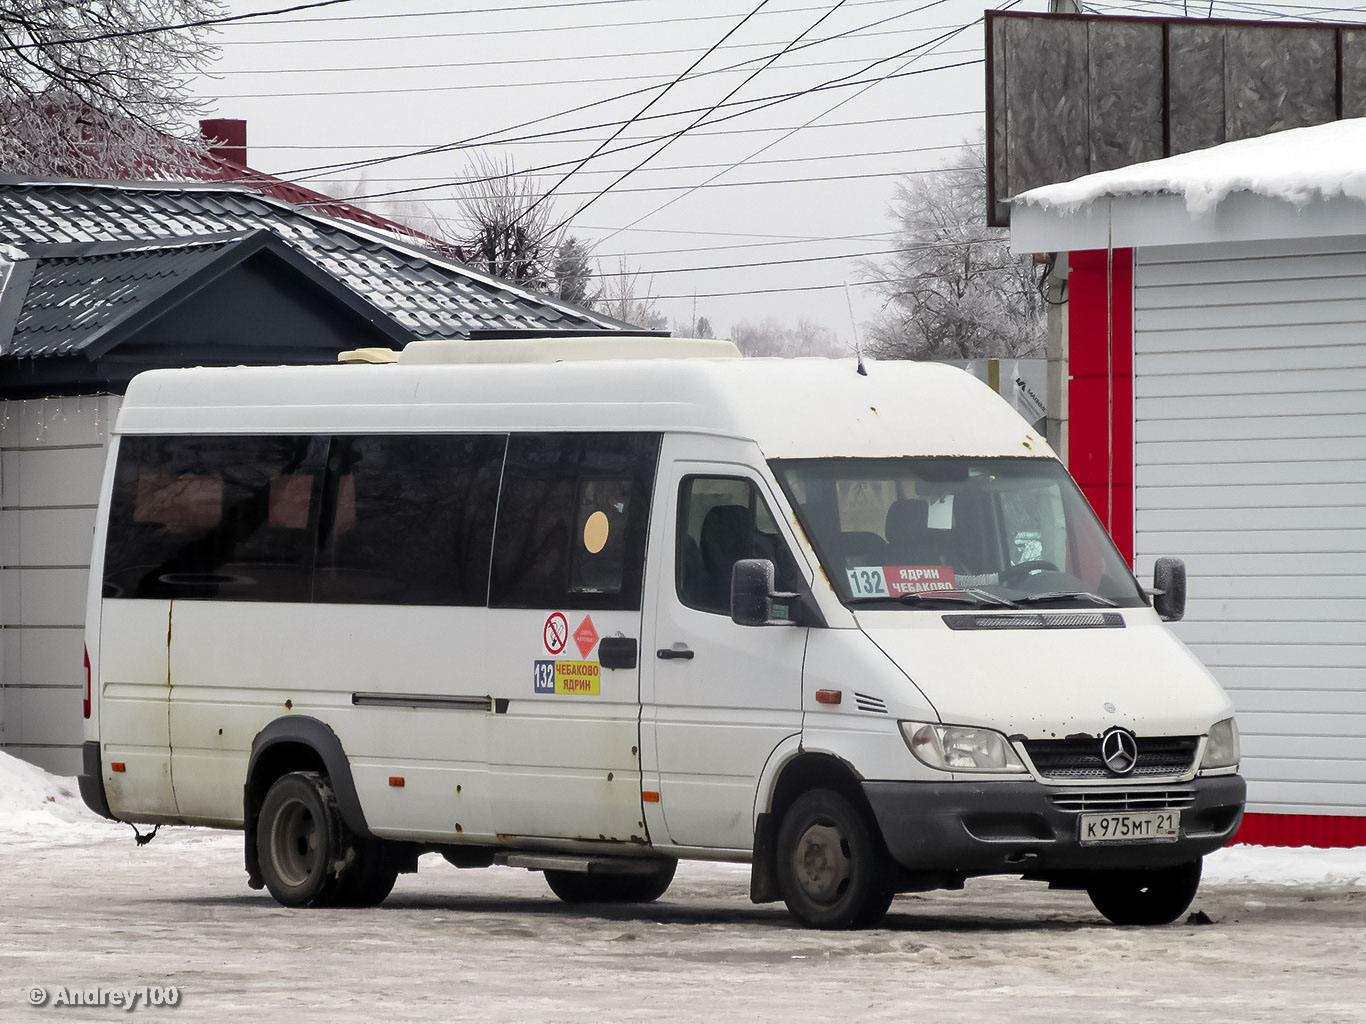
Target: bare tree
(625, 297)
(770, 337)
(504, 225)
(955, 292)
(81, 97)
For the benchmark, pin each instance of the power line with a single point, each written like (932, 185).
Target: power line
(670, 140)
(319, 171)
(928, 247)
(769, 145)
(154, 29)
(792, 288)
(673, 188)
(529, 29)
(487, 136)
(499, 10)
(531, 171)
(574, 57)
(544, 196)
(540, 140)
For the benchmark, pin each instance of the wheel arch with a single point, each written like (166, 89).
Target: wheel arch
(792, 771)
(291, 744)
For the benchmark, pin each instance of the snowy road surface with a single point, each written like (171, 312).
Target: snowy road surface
(81, 907)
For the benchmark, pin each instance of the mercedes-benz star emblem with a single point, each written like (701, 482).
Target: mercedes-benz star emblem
(1120, 751)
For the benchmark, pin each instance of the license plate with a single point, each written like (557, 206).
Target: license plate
(1144, 827)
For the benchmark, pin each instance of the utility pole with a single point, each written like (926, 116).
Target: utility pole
(1055, 345)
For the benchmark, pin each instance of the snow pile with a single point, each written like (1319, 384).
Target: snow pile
(30, 798)
(1272, 865)
(1297, 166)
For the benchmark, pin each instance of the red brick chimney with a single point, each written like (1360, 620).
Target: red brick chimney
(230, 134)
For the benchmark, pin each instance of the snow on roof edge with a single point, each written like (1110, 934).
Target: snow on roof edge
(1295, 166)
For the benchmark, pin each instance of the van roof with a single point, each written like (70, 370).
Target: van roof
(792, 408)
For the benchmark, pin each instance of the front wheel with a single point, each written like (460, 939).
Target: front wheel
(577, 887)
(833, 871)
(1145, 897)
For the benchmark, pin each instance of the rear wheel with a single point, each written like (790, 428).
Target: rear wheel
(833, 871)
(369, 880)
(1145, 897)
(299, 840)
(578, 887)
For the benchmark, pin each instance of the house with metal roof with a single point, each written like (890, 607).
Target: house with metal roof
(102, 280)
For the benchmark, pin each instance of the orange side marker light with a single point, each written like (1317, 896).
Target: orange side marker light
(118, 766)
(829, 696)
(396, 781)
(650, 796)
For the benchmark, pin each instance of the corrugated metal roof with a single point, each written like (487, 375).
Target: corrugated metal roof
(71, 299)
(432, 296)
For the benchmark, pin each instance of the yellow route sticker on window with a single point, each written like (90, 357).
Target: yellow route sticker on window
(573, 677)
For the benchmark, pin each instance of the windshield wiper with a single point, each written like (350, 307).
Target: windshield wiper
(1063, 595)
(968, 596)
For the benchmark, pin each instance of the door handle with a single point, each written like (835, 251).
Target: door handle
(673, 653)
(617, 652)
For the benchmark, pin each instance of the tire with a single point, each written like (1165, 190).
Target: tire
(577, 887)
(1145, 897)
(833, 871)
(369, 879)
(302, 844)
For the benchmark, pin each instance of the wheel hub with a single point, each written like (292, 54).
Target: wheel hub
(296, 845)
(822, 862)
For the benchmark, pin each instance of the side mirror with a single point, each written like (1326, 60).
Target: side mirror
(753, 601)
(1169, 588)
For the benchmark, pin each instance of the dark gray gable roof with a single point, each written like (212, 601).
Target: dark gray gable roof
(431, 296)
(87, 296)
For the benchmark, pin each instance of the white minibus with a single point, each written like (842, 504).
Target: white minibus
(591, 606)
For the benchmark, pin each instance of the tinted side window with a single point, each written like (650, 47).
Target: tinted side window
(408, 520)
(228, 518)
(720, 521)
(572, 521)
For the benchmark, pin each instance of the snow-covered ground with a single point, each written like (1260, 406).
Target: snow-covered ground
(83, 906)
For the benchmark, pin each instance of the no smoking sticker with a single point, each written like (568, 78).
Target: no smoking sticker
(556, 633)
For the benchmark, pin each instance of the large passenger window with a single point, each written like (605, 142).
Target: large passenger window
(572, 521)
(408, 520)
(720, 521)
(228, 518)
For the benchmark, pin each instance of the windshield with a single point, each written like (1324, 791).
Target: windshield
(933, 531)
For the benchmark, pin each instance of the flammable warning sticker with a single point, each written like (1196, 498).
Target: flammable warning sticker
(574, 677)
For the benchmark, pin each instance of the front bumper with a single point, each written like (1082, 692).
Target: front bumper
(992, 828)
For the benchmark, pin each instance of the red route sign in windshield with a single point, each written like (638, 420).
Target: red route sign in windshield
(918, 579)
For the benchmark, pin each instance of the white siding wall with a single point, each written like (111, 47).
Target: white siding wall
(1250, 463)
(51, 460)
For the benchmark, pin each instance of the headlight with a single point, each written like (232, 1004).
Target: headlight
(960, 748)
(1221, 749)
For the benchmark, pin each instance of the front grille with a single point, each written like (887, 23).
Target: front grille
(1124, 800)
(1080, 758)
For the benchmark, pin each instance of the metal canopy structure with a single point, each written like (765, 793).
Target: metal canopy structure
(1068, 95)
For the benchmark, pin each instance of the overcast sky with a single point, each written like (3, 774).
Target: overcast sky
(376, 78)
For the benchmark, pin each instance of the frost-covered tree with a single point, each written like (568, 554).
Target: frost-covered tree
(572, 273)
(956, 292)
(83, 93)
(770, 337)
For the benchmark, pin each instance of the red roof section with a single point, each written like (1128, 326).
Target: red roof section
(219, 168)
